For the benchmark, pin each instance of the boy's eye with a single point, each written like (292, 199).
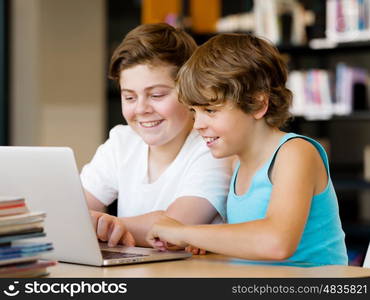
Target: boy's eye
(157, 96)
(209, 110)
(192, 110)
(127, 98)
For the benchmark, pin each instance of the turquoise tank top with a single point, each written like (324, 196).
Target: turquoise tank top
(322, 242)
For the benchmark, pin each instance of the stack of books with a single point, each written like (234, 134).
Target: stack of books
(18, 256)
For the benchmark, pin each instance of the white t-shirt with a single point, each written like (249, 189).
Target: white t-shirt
(119, 171)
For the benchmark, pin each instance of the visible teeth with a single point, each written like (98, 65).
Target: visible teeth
(150, 124)
(210, 139)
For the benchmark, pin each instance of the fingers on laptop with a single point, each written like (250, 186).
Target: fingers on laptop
(154, 240)
(115, 232)
(163, 245)
(119, 234)
(112, 230)
(103, 227)
(95, 217)
(195, 250)
(158, 244)
(172, 247)
(128, 239)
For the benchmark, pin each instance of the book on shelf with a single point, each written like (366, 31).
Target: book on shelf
(346, 79)
(348, 20)
(266, 20)
(319, 94)
(367, 163)
(312, 96)
(283, 22)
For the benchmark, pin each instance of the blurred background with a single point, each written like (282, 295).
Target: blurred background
(54, 89)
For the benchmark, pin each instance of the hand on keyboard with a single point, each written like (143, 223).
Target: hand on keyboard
(111, 229)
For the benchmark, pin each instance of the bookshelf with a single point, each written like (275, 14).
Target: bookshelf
(345, 135)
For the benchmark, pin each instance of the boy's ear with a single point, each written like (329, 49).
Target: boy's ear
(263, 98)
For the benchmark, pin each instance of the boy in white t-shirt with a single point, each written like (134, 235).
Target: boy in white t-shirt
(157, 164)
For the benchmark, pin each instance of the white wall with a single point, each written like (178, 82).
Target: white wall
(58, 74)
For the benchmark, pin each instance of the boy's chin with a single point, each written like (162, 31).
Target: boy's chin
(218, 155)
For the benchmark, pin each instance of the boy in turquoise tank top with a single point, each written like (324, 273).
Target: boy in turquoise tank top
(281, 205)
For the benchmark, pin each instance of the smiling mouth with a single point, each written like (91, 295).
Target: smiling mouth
(210, 140)
(150, 124)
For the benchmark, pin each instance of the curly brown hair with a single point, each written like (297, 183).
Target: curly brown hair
(237, 67)
(152, 44)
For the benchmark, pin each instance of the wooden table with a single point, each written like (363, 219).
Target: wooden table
(210, 265)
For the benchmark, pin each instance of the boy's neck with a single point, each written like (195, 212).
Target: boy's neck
(261, 145)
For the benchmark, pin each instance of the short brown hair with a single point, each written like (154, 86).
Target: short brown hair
(152, 44)
(237, 67)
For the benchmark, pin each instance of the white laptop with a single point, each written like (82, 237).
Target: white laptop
(48, 178)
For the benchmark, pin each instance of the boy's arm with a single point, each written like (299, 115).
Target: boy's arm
(93, 203)
(276, 237)
(188, 210)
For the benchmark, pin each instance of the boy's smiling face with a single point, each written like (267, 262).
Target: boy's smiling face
(226, 129)
(150, 105)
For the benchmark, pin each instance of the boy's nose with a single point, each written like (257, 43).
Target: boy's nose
(199, 121)
(142, 107)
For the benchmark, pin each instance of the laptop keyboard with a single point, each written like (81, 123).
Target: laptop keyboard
(111, 254)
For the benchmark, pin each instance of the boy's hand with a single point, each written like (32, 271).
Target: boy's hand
(164, 232)
(111, 229)
(195, 251)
